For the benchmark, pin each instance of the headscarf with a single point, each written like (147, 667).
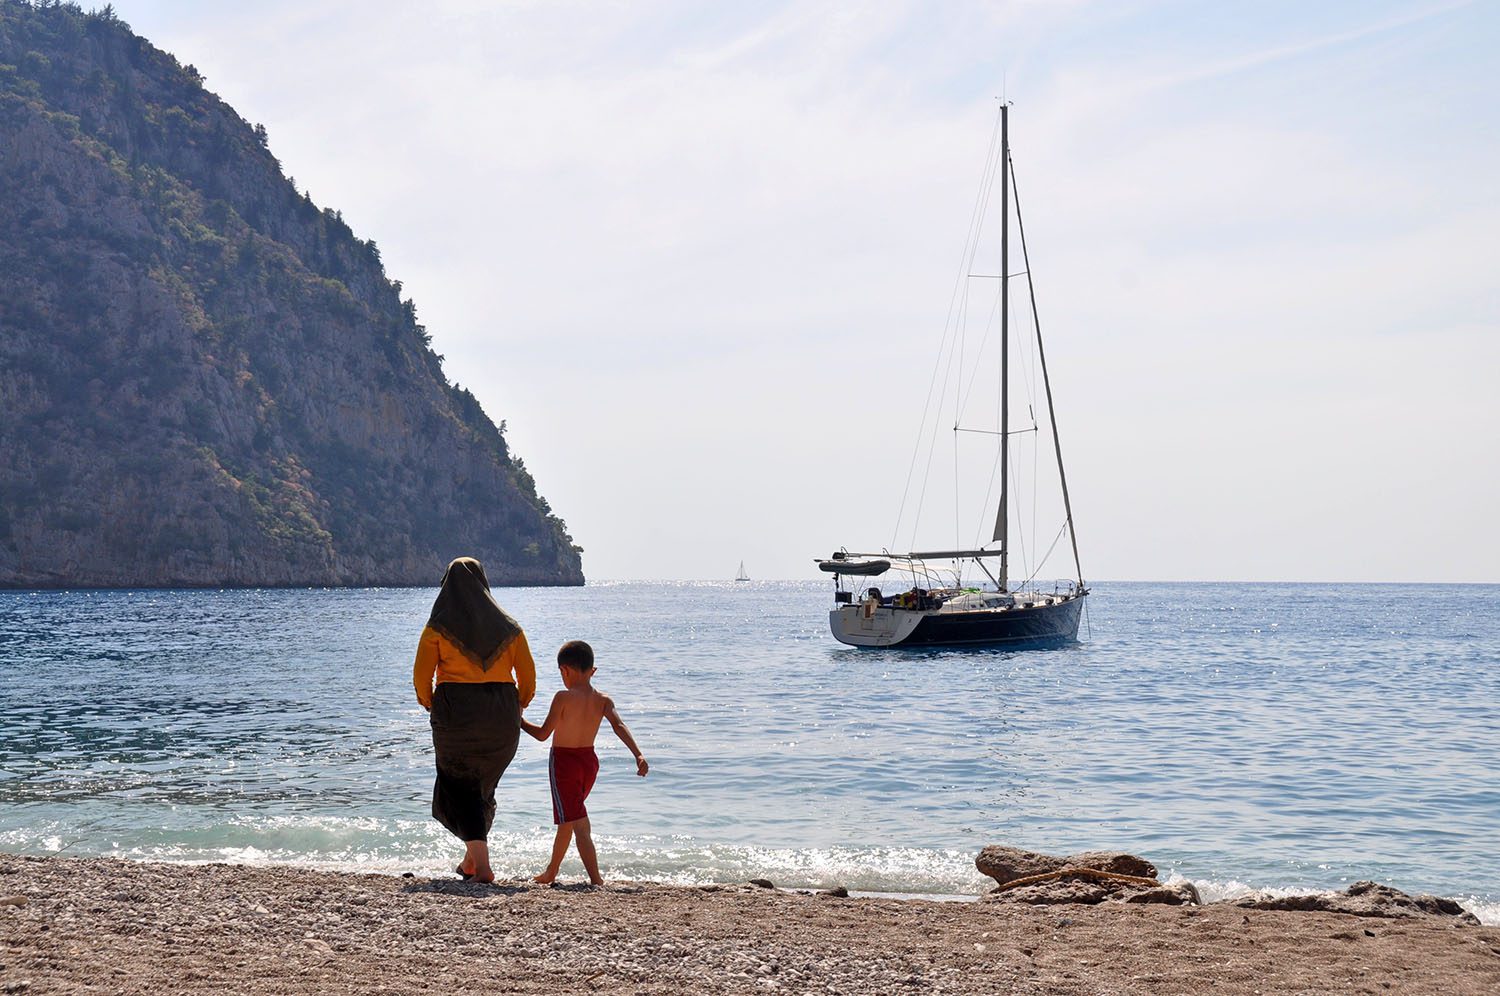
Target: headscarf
(466, 613)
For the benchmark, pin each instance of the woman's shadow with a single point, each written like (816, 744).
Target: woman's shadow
(467, 890)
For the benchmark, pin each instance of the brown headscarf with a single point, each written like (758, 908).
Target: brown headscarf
(466, 613)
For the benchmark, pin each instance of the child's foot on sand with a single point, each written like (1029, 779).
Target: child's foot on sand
(545, 878)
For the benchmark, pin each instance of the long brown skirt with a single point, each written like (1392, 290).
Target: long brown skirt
(475, 728)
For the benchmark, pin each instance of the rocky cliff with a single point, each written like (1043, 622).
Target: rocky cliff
(206, 379)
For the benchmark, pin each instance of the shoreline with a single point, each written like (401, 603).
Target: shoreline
(95, 925)
(1484, 909)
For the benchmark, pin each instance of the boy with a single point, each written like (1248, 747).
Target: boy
(574, 717)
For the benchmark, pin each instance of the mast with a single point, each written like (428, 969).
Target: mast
(1002, 518)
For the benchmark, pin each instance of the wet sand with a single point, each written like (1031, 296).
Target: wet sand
(107, 926)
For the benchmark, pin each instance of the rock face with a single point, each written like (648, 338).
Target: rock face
(205, 379)
(1090, 877)
(1364, 899)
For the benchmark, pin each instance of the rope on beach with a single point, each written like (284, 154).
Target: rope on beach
(1092, 873)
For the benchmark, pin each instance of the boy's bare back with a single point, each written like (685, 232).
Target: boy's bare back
(576, 714)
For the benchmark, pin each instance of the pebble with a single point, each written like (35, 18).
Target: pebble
(14, 901)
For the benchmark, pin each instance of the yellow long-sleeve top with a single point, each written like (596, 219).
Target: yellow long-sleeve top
(438, 660)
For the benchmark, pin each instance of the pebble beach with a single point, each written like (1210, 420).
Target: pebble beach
(99, 925)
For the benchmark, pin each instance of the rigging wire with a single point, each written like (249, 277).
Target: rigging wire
(1048, 555)
(932, 442)
(1062, 477)
(989, 489)
(1020, 535)
(1036, 448)
(931, 452)
(989, 328)
(975, 217)
(976, 235)
(953, 334)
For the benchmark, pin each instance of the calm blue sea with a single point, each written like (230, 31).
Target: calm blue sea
(1290, 736)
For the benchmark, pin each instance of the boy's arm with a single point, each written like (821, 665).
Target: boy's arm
(623, 732)
(548, 725)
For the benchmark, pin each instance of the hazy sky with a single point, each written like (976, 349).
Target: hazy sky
(699, 256)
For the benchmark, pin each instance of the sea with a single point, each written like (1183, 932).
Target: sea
(1285, 737)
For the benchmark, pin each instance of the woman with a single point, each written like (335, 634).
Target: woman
(479, 660)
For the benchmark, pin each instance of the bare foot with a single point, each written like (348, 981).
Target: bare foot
(596, 881)
(483, 875)
(545, 878)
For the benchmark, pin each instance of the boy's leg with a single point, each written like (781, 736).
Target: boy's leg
(586, 850)
(559, 851)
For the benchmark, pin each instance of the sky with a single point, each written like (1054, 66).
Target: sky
(699, 257)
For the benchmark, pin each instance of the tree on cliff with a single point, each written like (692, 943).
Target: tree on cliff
(204, 378)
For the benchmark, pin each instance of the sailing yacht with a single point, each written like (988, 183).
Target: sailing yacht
(742, 576)
(970, 594)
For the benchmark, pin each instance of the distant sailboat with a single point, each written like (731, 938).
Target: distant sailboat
(742, 576)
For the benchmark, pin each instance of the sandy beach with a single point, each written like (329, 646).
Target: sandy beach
(109, 926)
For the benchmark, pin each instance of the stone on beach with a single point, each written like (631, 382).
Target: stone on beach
(1089, 878)
(1363, 899)
(1175, 894)
(1091, 892)
(1006, 864)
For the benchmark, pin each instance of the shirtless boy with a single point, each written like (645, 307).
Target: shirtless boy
(574, 719)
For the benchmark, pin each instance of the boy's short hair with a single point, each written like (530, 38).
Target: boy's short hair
(576, 654)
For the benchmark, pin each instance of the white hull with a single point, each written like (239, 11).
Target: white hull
(863, 626)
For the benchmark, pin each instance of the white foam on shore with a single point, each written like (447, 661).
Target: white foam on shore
(1488, 913)
(394, 847)
(1212, 891)
(356, 844)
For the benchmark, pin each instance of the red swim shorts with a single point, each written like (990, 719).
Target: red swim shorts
(572, 771)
